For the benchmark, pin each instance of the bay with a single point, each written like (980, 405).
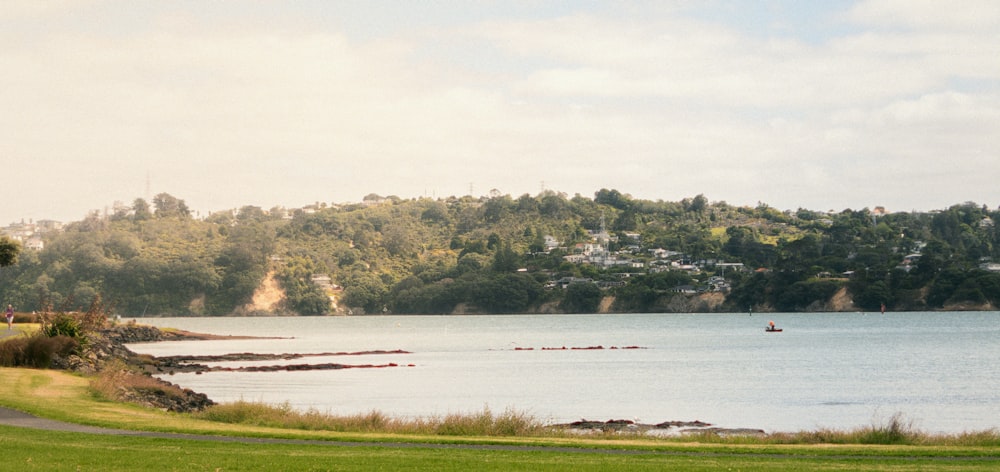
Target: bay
(826, 370)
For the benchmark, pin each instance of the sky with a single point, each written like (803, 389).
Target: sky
(822, 105)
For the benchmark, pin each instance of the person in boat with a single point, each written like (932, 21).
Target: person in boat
(770, 325)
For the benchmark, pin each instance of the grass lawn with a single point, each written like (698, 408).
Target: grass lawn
(62, 396)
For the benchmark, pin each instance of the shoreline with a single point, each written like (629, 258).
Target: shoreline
(169, 365)
(173, 334)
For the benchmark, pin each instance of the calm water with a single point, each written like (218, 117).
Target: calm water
(940, 370)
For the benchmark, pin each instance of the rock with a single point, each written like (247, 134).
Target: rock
(683, 424)
(609, 425)
(106, 346)
(667, 427)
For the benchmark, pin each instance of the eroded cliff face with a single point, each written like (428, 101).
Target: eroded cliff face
(605, 305)
(966, 306)
(269, 298)
(840, 301)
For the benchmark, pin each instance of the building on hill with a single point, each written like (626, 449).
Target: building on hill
(30, 234)
(551, 243)
(34, 243)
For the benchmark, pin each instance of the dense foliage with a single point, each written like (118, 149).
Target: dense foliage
(491, 254)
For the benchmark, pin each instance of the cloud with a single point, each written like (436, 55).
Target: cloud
(981, 15)
(225, 106)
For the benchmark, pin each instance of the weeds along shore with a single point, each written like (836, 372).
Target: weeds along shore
(896, 430)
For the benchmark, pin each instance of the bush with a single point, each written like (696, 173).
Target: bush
(36, 351)
(63, 325)
(12, 351)
(75, 325)
(896, 430)
(21, 318)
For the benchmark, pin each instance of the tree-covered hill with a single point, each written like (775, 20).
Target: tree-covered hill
(500, 254)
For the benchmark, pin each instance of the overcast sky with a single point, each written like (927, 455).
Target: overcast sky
(818, 105)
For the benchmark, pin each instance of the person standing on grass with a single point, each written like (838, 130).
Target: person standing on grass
(10, 317)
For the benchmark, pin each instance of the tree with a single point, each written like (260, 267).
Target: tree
(505, 259)
(366, 291)
(9, 250)
(169, 206)
(612, 198)
(581, 297)
(504, 293)
(697, 205)
(400, 241)
(250, 213)
(140, 210)
(435, 212)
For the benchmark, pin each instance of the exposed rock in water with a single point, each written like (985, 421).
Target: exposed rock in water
(106, 347)
(667, 427)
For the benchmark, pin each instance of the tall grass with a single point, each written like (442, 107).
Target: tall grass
(483, 423)
(116, 382)
(35, 351)
(894, 430)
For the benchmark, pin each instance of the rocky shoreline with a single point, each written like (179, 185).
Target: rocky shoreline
(106, 348)
(667, 428)
(178, 364)
(109, 345)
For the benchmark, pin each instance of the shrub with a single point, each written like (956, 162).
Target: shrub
(63, 325)
(75, 325)
(35, 351)
(11, 351)
(21, 318)
(896, 430)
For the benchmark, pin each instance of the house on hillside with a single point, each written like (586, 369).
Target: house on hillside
(373, 200)
(909, 262)
(566, 281)
(990, 266)
(551, 243)
(324, 282)
(34, 243)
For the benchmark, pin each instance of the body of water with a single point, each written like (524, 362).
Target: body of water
(829, 370)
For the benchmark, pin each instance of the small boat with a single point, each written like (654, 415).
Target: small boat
(772, 329)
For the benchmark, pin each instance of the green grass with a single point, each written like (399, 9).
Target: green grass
(59, 395)
(895, 430)
(26, 449)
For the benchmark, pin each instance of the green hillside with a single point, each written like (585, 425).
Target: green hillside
(548, 253)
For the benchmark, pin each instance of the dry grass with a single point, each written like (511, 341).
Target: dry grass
(115, 380)
(895, 430)
(483, 423)
(36, 351)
